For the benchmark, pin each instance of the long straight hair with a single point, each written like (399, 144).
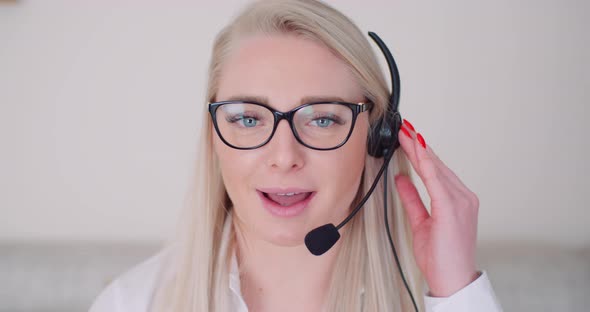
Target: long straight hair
(195, 276)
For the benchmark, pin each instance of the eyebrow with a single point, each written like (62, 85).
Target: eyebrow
(304, 100)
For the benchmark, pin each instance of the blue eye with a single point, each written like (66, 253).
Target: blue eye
(323, 122)
(244, 121)
(249, 122)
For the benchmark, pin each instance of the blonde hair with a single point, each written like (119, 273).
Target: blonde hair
(198, 271)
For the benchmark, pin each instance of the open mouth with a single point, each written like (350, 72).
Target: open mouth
(285, 202)
(287, 199)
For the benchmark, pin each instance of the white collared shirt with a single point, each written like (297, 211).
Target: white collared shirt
(133, 290)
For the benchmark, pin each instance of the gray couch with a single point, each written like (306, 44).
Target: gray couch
(67, 277)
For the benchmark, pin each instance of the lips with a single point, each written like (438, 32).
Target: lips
(285, 202)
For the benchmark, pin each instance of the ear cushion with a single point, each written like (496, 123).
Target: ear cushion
(397, 124)
(383, 135)
(374, 140)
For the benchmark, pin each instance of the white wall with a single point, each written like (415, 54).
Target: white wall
(100, 109)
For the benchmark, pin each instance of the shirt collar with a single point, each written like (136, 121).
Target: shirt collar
(237, 300)
(234, 276)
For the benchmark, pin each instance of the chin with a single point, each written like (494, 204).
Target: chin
(285, 237)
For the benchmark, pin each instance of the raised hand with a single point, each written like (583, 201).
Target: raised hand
(445, 240)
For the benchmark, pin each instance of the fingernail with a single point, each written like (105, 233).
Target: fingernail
(421, 140)
(409, 125)
(405, 131)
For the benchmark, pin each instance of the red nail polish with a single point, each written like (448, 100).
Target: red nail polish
(409, 125)
(421, 140)
(405, 131)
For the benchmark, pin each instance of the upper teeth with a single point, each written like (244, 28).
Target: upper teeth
(288, 194)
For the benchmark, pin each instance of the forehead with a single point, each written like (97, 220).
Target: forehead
(285, 69)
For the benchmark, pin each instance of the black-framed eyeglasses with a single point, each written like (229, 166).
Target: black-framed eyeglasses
(248, 125)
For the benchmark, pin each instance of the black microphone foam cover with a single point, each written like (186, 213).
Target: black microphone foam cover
(322, 239)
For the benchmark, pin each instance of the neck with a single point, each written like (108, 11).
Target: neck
(278, 278)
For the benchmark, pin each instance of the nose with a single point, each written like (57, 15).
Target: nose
(284, 152)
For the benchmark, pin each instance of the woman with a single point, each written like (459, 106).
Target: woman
(261, 186)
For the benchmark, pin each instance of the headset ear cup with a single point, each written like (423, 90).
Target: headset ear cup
(383, 137)
(397, 124)
(374, 141)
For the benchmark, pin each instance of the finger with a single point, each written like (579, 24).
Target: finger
(451, 176)
(443, 168)
(448, 178)
(406, 138)
(425, 165)
(411, 146)
(411, 201)
(440, 182)
(409, 143)
(427, 170)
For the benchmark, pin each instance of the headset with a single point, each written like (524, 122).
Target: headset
(382, 142)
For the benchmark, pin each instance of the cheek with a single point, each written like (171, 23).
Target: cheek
(234, 167)
(344, 169)
(355, 150)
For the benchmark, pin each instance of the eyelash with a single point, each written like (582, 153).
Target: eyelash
(335, 119)
(238, 117)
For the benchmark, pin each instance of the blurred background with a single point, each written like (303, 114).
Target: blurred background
(100, 110)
